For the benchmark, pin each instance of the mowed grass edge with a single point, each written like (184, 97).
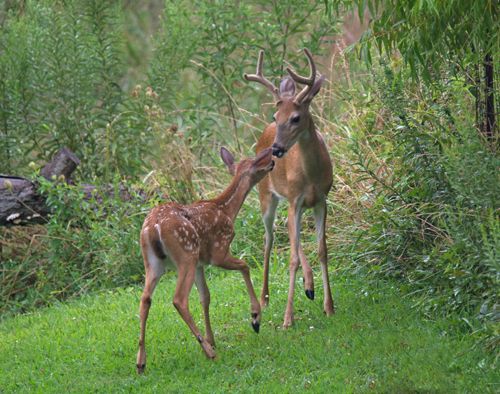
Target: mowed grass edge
(375, 342)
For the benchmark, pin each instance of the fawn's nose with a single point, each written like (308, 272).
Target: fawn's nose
(278, 150)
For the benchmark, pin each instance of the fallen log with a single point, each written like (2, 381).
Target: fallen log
(20, 202)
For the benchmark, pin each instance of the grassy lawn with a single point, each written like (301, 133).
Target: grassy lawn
(375, 342)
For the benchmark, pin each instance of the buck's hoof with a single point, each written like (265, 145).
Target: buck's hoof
(329, 311)
(328, 307)
(264, 301)
(310, 294)
(140, 368)
(255, 322)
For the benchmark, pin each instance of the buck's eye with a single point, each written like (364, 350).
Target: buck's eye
(295, 119)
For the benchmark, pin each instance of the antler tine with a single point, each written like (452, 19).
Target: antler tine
(309, 82)
(259, 77)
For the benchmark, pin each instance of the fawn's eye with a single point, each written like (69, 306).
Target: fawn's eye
(295, 119)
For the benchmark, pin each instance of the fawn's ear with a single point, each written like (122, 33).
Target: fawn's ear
(228, 160)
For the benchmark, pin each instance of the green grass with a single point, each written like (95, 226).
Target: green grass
(375, 342)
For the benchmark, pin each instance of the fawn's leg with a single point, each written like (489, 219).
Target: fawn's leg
(232, 263)
(202, 287)
(154, 270)
(186, 270)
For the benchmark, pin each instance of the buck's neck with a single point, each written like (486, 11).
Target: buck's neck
(231, 199)
(309, 146)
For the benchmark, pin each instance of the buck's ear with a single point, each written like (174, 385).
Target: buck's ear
(315, 88)
(228, 159)
(287, 87)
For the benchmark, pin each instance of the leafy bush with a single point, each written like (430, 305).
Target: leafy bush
(433, 221)
(86, 244)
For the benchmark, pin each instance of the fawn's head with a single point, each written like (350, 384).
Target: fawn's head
(255, 168)
(292, 116)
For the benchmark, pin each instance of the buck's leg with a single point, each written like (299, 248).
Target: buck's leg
(308, 274)
(320, 219)
(201, 284)
(269, 204)
(154, 270)
(186, 270)
(294, 215)
(232, 263)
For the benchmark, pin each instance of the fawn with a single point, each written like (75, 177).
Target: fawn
(188, 237)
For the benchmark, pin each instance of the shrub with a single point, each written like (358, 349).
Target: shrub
(433, 221)
(85, 245)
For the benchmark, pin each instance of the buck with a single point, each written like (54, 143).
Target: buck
(187, 237)
(302, 175)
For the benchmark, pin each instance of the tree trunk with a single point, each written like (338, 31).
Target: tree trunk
(489, 129)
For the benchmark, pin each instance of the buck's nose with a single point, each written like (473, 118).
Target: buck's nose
(278, 151)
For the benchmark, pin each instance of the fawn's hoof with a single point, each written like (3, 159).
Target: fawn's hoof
(140, 368)
(208, 350)
(310, 294)
(288, 322)
(255, 322)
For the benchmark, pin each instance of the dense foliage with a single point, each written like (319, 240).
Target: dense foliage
(434, 186)
(460, 37)
(436, 182)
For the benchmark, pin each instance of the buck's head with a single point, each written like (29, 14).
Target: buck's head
(292, 116)
(255, 169)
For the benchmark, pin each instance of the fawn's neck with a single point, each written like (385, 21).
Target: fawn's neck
(231, 199)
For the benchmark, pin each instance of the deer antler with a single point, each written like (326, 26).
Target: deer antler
(309, 82)
(259, 77)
